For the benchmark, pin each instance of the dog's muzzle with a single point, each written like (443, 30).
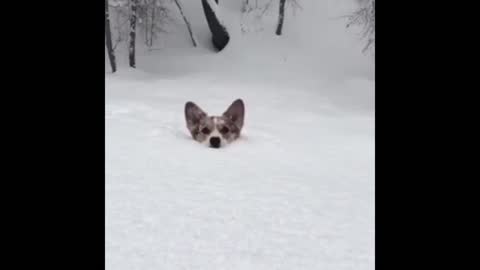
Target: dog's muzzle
(215, 142)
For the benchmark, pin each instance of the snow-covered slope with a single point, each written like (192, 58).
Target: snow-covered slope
(295, 192)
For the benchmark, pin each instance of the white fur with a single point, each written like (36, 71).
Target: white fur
(215, 133)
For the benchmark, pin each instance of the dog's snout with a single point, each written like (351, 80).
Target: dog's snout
(215, 142)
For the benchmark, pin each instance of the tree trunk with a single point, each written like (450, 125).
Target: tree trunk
(146, 26)
(152, 28)
(281, 15)
(186, 22)
(108, 36)
(133, 23)
(220, 36)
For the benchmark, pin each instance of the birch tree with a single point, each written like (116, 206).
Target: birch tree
(108, 37)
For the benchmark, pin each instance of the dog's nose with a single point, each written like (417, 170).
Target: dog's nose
(215, 142)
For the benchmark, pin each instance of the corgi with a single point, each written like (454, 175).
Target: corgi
(215, 131)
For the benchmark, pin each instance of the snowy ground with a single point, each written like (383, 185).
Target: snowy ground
(295, 192)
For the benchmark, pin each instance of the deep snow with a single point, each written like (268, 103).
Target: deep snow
(295, 192)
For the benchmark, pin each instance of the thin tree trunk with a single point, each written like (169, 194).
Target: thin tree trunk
(281, 15)
(152, 27)
(146, 25)
(186, 22)
(133, 22)
(108, 36)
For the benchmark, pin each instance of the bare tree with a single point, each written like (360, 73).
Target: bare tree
(281, 16)
(152, 17)
(186, 22)
(365, 17)
(133, 22)
(119, 20)
(108, 36)
(150, 33)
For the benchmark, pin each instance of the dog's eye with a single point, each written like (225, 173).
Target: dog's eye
(205, 130)
(224, 130)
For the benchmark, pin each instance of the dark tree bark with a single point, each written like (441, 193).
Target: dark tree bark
(133, 23)
(186, 22)
(281, 15)
(108, 36)
(220, 36)
(245, 6)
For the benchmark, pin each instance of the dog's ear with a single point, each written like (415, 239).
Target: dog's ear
(193, 115)
(236, 113)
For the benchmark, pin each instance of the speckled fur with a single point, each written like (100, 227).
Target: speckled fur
(232, 120)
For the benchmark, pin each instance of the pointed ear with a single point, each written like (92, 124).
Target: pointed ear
(236, 113)
(193, 115)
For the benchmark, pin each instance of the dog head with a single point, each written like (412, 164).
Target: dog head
(215, 131)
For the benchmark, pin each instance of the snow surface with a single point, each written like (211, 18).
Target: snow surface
(296, 191)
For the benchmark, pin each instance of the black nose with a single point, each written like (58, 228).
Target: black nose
(215, 142)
